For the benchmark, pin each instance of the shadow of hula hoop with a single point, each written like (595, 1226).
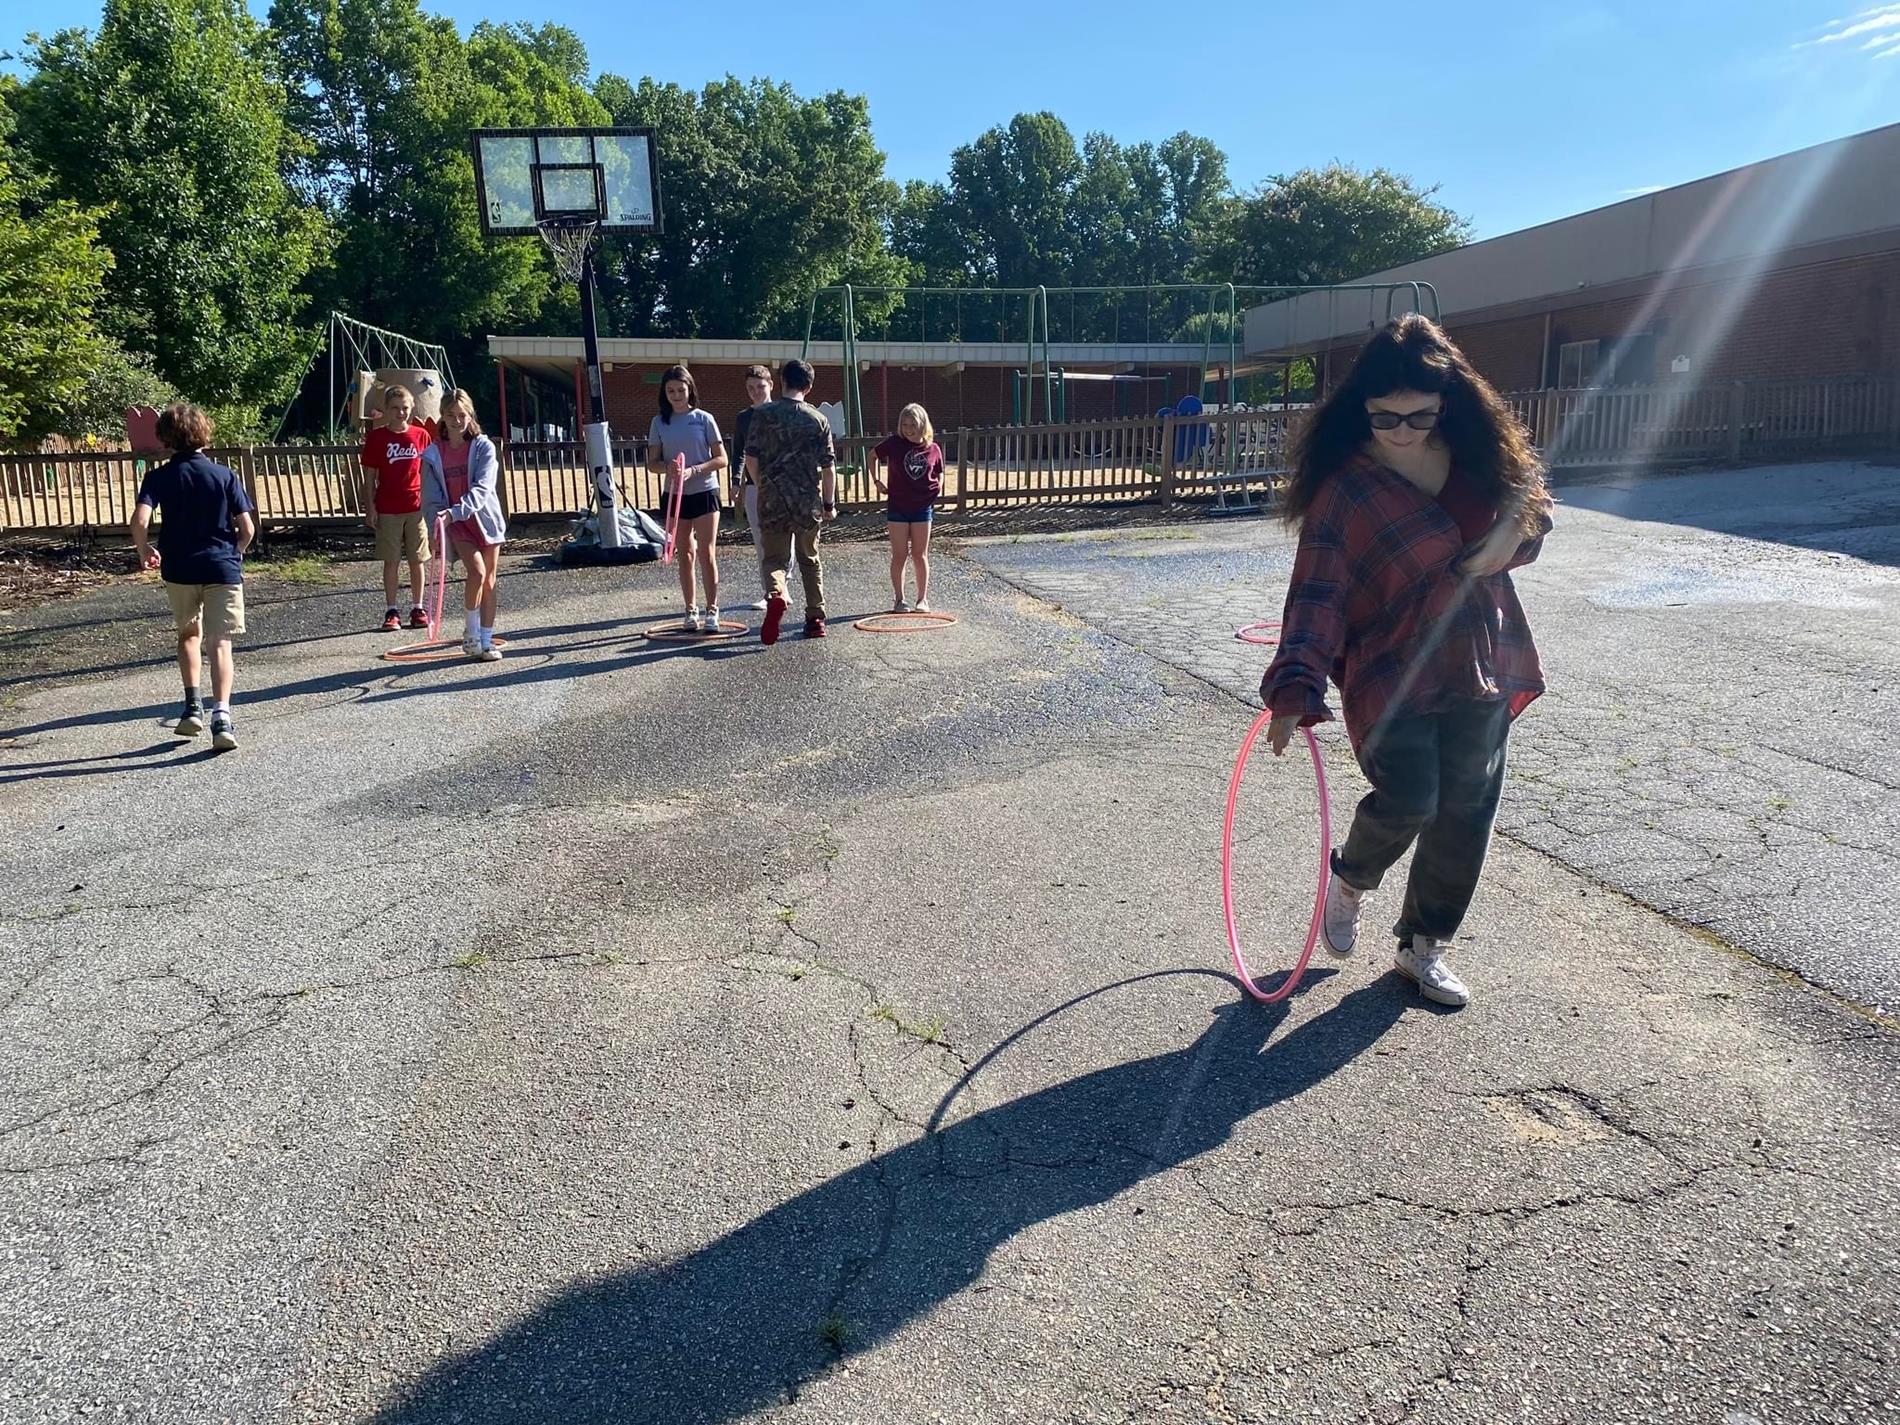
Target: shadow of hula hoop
(728, 631)
(910, 621)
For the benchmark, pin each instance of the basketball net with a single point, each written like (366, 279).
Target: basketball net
(569, 239)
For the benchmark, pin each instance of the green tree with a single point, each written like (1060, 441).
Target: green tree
(170, 122)
(387, 96)
(1012, 194)
(767, 195)
(925, 236)
(115, 379)
(1024, 206)
(1334, 224)
(52, 272)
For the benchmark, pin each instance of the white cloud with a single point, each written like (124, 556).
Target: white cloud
(1642, 192)
(1877, 30)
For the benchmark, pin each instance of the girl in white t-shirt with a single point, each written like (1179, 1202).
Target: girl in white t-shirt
(682, 428)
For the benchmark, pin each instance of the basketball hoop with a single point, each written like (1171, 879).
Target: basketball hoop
(570, 240)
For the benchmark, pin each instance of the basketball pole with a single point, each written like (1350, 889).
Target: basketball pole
(600, 460)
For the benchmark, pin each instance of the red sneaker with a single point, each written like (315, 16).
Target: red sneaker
(391, 621)
(418, 619)
(814, 628)
(774, 611)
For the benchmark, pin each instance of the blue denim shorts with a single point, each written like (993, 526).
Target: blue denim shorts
(909, 516)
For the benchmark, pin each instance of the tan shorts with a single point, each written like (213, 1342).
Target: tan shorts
(222, 607)
(401, 537)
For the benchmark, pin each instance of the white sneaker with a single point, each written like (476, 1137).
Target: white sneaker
(757, 604)
(472, 648)
(922, 606)
(900, 607)
(1339, 924)
(490, 653)
(1423, 962)
(691, 623)
(712, 618)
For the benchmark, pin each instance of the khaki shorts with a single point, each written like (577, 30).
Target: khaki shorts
(222, 606)
(401, 537)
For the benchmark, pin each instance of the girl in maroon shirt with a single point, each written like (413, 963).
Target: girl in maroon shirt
(913, 478)
(1415, 491)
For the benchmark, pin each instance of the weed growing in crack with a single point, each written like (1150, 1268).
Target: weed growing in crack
(927, 1031)
(833, 1332)
(474, 960)
(1780, 802)
(786, 915)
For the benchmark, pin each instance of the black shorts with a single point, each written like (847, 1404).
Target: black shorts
(692, 506)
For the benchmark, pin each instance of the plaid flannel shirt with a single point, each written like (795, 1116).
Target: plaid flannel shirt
(1374, 604)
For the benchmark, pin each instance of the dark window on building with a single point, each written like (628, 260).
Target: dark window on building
(1577, 364)
(1629, 362)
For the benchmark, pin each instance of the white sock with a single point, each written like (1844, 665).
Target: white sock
(488, 635)
(221, 707)
(474, 625)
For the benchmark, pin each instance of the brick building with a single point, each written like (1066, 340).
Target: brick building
(1785, 268)
(966, 384)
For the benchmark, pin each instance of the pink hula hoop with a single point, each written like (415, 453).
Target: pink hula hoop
(1227, 863)
(441, 573)
(1265, 633)
(673, 509)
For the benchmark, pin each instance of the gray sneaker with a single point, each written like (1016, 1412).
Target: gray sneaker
(1423, 962)
(191, 721)
(223, 734)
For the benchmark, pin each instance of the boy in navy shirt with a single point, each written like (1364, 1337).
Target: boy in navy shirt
(205, 525)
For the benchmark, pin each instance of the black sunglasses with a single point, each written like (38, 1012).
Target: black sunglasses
(1392, 420)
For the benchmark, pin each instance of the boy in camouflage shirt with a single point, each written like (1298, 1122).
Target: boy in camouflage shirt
(788, 454)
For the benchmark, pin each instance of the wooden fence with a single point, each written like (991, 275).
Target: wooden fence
(1743, 421)
(1233, 457)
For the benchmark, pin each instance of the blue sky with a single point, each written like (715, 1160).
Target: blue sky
(1519, 117)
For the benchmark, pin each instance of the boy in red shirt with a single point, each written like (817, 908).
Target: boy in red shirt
(392, 495)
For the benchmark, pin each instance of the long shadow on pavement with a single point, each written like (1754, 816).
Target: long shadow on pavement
(136, 757)
(529, 666)
(738, 1325)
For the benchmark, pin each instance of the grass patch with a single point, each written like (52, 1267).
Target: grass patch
(1780, 802)
(474, 960)
(833, 1332)
(786, 914)
(303, 569)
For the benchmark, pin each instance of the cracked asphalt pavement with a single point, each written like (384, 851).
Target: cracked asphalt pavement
(840, 1032)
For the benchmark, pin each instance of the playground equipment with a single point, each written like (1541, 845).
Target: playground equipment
(1026, 317)
(357, 359)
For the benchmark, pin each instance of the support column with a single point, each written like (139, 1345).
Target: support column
(501, 384)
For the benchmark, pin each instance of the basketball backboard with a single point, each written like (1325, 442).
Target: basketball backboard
(527, 177)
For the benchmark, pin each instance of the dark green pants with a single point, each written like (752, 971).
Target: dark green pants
(1435, 779)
